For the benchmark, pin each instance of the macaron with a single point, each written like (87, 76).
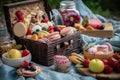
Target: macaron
(67, 31)
(92, 50)
(19, 29)
(54, 36)
(95, 23)
(44, 40)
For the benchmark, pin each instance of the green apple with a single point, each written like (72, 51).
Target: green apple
(96, 65)
(14, 54)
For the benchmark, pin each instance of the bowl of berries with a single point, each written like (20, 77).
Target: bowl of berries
(15, 57)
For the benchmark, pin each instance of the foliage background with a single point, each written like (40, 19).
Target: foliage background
(103, 7)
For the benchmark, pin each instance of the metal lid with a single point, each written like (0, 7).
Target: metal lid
(67, 5)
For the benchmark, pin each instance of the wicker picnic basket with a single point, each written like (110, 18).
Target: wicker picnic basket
(42, 53)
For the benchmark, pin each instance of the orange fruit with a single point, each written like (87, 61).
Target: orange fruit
(34, 37)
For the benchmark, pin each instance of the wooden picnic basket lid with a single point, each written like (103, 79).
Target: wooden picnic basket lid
(26, 7)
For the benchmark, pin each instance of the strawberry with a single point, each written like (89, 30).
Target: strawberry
(25, 52)
(29, 32)
(25, 64)
(45, 20)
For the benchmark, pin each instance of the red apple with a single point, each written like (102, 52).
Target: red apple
(108, 69)
(105, 61)
(116, 56)
(86, 63)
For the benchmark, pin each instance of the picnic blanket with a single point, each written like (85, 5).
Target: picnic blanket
(48, 73)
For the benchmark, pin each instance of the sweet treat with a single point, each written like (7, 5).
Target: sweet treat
(44, 40)
(76, 58)
(29, 70)
(20, 29)
(92, 50)
(103, 48)
(95, 23)
(67, 31)
(62, 63)
(103, 51)
(54, 36)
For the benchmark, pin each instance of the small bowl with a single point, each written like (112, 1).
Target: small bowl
(15, 62)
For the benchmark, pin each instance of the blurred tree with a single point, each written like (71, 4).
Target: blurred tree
(103, 7)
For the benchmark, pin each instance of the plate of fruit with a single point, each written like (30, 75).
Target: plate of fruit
(98, 68)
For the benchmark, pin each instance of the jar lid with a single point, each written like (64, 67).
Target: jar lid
(67, 5)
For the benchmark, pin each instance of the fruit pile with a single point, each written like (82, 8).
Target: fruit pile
(110, 65)
(113, 64)
(106, 66)
(15, 53)
(89, 24)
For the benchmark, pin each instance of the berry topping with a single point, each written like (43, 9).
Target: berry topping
(33, 69)
(25, 64)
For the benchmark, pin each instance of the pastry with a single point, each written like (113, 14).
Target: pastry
(20, 29)
(29, 70)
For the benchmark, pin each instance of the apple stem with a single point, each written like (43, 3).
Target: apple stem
(94, 56)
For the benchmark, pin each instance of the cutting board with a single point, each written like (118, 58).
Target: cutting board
(100, 76)
(107, 32)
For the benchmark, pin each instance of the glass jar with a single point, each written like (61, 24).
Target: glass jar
(62, 63)
(69, 13)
